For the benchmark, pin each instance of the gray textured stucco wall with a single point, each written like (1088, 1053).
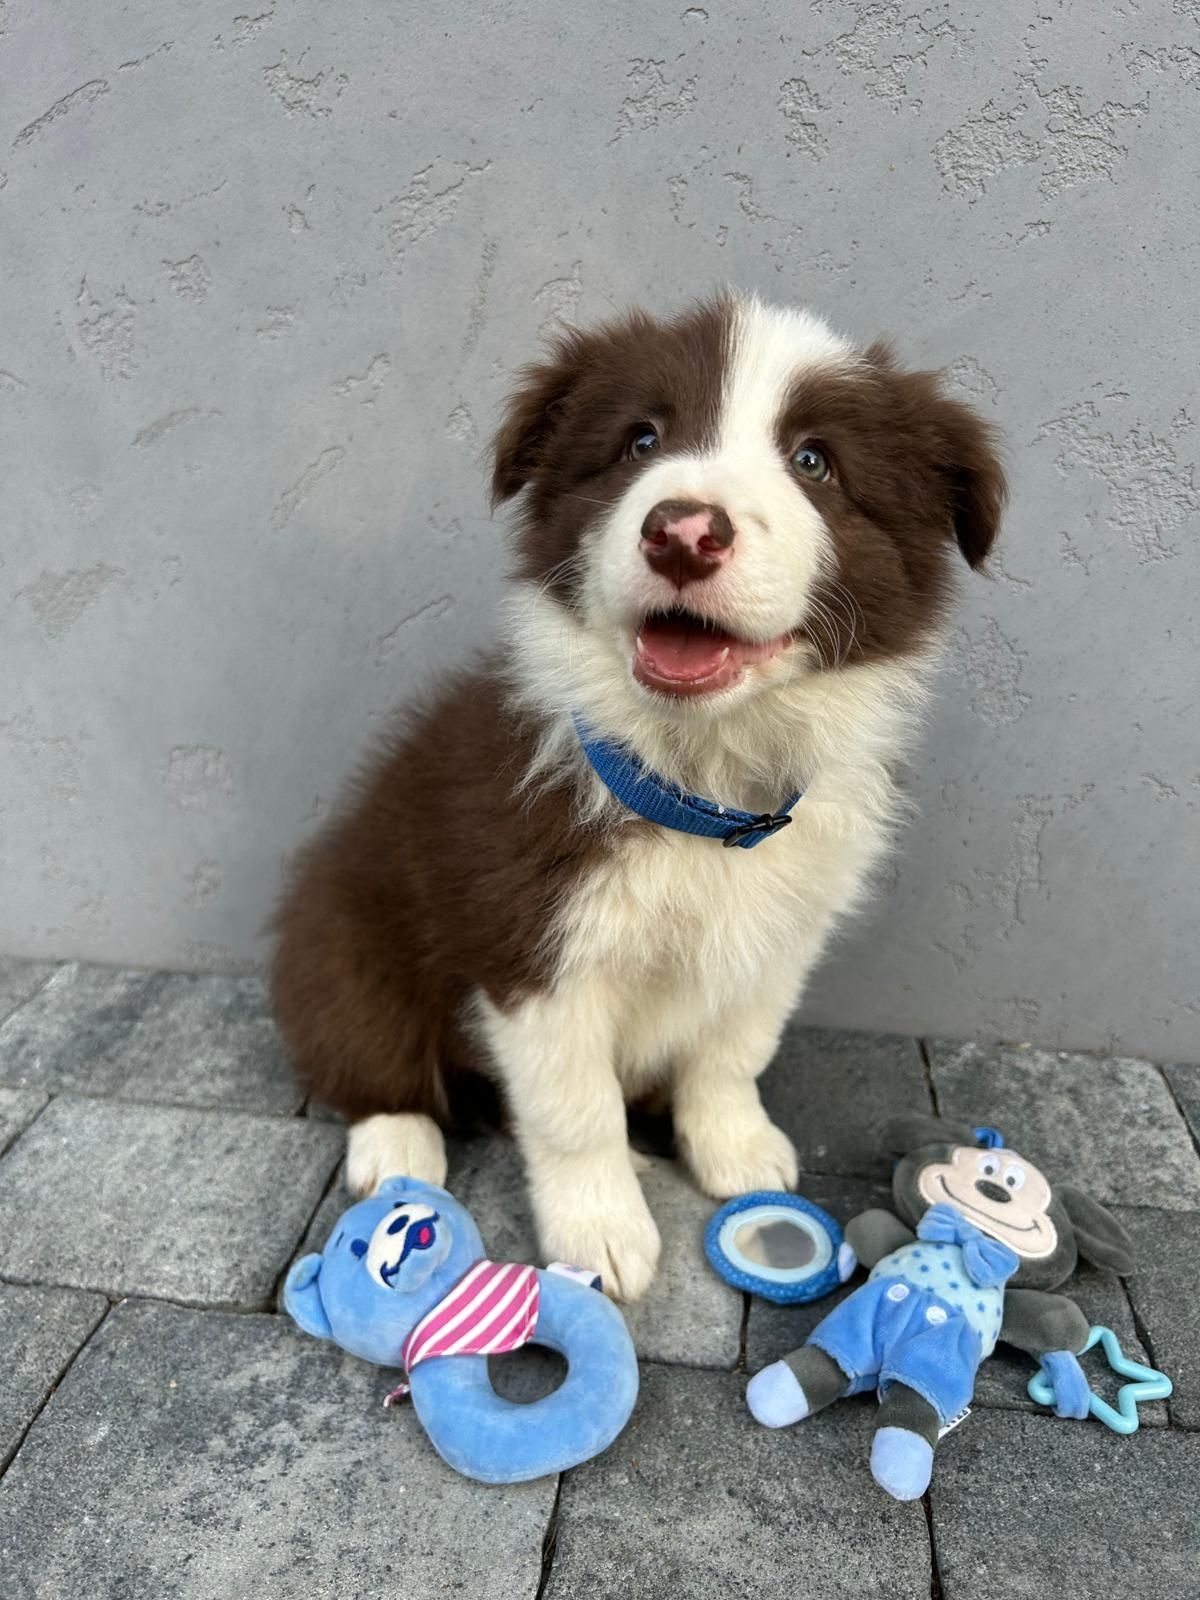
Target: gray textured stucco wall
(265, 275)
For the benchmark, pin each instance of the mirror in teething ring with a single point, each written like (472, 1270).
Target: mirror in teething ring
(776, 1245)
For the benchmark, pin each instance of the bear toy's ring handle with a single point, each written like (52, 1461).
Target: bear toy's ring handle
(484, 1436)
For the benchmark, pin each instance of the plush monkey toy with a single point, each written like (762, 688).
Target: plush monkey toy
(991, 1238)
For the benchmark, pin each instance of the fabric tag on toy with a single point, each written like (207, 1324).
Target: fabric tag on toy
(955, 1421)
(584, 1275)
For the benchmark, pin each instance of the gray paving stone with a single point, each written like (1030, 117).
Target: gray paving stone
(40, 1330)
(19, 979)
(18, 1107)
(1029, 1507)
(320, 1113)
(1109, 1125)
(199, 1206)
(1163, 1290)
(695, 1499)
(688, 1315)
(335, 1202)
(188, 1038)
(832, 1092)
(1184, 1079)
(208, 1456)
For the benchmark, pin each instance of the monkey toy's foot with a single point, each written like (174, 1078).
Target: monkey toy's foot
(775, 1396)
(901, 1463)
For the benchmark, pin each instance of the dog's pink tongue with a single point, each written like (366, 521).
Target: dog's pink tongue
(677, 648)
(676, 656)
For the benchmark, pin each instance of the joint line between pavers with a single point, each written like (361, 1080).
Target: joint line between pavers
(52, 1389)
(930, 1086)
(330, 1185)
(21, 1004)
(21, 1132)
(1175, 1101)
(936, 1592)
(94, 1097)
(550, 1540)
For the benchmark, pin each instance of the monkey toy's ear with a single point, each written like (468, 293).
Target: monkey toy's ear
(915, 1130)
(1099, 1236)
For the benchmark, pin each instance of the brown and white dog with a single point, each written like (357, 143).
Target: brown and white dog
(734, 559)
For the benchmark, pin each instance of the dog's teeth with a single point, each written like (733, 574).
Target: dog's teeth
(723, 657)
(641, 647)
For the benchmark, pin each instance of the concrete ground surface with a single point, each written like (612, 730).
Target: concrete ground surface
(165, 1432)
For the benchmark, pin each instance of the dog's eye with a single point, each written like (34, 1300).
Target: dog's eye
(643, 442)
(811, 462)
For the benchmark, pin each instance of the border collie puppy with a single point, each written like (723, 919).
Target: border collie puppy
(602, 864)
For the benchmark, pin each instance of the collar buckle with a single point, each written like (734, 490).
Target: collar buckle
(760, 827)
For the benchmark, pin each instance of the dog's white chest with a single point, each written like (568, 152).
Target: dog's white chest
(677, 931)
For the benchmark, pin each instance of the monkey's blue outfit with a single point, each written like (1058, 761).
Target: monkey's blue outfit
(926, 1317)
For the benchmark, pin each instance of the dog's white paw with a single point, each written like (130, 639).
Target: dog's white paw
(734, 1158)
(406, 1145)
(604, 1226)
(623, 1250)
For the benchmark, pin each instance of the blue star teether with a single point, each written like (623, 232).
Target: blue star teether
(1123, 1418)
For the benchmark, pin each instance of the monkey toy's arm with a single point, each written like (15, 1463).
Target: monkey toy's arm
(1052, 1329)
(875, 1234)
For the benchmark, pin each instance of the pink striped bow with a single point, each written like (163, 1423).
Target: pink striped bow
(493, 1308)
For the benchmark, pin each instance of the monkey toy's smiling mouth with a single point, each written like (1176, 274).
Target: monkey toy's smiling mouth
(990, 1214)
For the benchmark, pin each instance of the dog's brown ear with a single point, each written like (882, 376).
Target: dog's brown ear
(957, 450)
(529, 418)
(977, 483)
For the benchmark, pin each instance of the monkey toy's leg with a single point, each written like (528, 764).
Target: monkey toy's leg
(789, 1390)
(905, 1436)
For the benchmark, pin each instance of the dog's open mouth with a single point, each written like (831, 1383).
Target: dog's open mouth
(677, 653)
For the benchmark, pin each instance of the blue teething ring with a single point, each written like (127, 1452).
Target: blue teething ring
(783, 1287)
(1146, 1384)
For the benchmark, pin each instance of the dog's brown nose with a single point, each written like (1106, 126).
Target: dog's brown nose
(685, 541)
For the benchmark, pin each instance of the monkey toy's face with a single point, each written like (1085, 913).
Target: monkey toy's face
(1004, 1195)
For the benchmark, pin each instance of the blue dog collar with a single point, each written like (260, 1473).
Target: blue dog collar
(645, 793)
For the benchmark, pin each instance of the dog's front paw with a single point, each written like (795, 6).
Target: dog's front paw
(606, 1228)
(406, 1145)
(731, 1158)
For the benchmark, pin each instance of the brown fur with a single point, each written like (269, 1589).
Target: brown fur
(913, 470)
(434, 880)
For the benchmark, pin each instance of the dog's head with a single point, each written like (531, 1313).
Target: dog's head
(719, 502)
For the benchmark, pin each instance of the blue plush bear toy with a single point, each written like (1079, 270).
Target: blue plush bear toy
(403, 1281)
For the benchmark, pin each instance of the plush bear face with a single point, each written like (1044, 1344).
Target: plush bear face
(389, 1260)
(1004, 1195)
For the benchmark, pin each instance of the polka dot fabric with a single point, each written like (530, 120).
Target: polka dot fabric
(940, 1267)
